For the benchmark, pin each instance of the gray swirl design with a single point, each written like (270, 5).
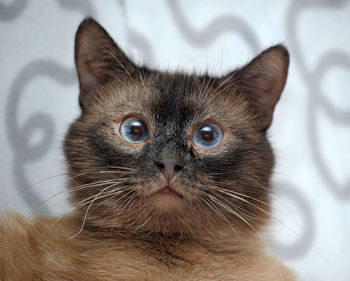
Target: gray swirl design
(19, 136)
(330, 60)
(220, 25)
(137, 39)
(316, 100)
(303, 241)
(140, 42)
(12, 11)
(83, 6)
(327, 62)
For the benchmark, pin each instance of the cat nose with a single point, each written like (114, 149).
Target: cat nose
(168, 167)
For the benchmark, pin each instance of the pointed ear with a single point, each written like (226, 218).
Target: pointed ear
(98, 59)
(261, 82)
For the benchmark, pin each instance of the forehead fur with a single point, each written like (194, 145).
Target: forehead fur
(166, 98)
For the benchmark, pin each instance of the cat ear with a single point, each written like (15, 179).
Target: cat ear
(98, 59)
(261, 82)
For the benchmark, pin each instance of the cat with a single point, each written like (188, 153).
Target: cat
(169, 175)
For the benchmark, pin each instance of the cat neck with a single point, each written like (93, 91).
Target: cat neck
(220, 240)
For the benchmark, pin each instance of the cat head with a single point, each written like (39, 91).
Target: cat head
(171, 152)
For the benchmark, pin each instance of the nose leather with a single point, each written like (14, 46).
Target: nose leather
(168, 167)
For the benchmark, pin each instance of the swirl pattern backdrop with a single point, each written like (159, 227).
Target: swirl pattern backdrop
(310, 133)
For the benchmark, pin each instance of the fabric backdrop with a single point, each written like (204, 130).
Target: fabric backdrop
(310, 132)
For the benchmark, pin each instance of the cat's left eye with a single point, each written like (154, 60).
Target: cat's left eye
(134, 130)
(207, 136)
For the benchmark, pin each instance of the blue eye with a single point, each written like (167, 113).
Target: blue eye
(207, 136)
(133, 130)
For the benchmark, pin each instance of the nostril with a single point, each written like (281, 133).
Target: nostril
(159, 165)
(178, 168)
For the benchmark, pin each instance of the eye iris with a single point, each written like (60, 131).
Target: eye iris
(133, 130)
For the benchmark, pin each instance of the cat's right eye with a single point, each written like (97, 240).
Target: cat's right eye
(134, 130)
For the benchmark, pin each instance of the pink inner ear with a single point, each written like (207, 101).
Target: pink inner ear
(266, 90)
(100, 70)
(95, 73)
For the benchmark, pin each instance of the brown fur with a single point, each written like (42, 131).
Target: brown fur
(122, 227)
(42, 250)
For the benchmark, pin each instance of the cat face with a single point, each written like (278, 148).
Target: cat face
(170, 152)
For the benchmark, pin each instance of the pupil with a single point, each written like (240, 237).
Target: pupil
(207, 134)
(136, 130)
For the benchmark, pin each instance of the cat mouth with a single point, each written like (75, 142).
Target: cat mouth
(168, 190)
(167, 199)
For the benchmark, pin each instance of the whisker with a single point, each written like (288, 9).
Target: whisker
(26, 189)
(242, 209)
(217, 210)
(243, 200)
(87, 210)
(223, 205)
(144, 223)
(229, 192)
(227, 208)
(110, 197)
(119, 199)
(107, 194)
